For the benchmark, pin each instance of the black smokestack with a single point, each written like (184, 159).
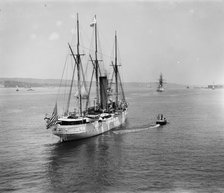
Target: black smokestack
(103, 92)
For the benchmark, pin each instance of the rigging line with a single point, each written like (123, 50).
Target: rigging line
(112, 78)
(122, 77)
(122, 90)
(91, 49)
(83, 76)
(87, 102)
(100, 48)
(101, 53)
(83, 31)
(91, 43)
(94, 65)
(112, 75)
(86, 68)
(121, 86)
(112, 52)
(82, 45)
(67, 79)
(119, 61)
(65, 85)
(73, 74)
(70, 91)
(102, 57)
(119, 56)
(91, 46)
(100, 71)
(100, 45)
(62, 76)
(74, 33)
(94, 70)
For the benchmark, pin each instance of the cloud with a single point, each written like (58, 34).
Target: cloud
(58, 23)
(54, 36)
(73, 16)
(35, 26)
(33, 36)
(73, 31)
(191, 11)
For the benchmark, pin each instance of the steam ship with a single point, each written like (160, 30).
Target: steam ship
(109, 109)
(160, 87)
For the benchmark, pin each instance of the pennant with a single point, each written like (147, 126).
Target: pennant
(93, 22)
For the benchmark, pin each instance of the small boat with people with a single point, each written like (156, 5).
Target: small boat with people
(161, 120)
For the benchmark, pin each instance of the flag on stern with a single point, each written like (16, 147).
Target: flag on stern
(54, 117)
(93, 22)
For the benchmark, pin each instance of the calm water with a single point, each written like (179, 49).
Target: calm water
(187, 155)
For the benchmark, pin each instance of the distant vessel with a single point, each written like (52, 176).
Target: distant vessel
(17, 88)
(213, 86)
(160, 87)
(109, 110)
(30, 89)
(161, 120)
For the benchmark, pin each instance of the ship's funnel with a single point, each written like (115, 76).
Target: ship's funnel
(103, 91)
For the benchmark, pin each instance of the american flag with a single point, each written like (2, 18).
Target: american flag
(54, 117)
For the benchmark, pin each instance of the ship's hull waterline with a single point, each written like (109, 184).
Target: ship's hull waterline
(160, 89)
(81, 131)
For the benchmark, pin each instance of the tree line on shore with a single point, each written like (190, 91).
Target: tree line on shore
(13, 84)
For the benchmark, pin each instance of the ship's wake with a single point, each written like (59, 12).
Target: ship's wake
(135, 130)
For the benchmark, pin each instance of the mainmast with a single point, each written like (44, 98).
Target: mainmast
(96, 64)
(78, 68)
(116, 70)
(77, 60)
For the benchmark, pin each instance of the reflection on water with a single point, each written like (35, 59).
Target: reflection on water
(187, 155)
(86, 164)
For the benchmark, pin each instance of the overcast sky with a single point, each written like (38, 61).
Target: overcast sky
(184, 40)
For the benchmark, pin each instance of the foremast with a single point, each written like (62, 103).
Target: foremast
(77, 59)
(96, 63)
(116, 72)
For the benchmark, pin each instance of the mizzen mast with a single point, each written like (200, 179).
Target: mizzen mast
(96, 63)
(116, 71)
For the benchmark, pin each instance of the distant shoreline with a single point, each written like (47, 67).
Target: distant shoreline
(34, 82)
(31, 82)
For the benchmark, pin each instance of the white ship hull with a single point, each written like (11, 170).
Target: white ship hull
(81, 131)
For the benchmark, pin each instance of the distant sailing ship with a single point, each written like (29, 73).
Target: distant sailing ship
(30, 89)
(160, 87)
(17, 88)
(109, 110)
(213, 86)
